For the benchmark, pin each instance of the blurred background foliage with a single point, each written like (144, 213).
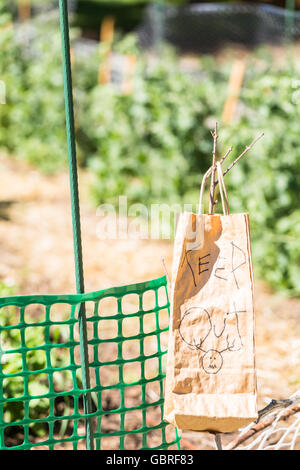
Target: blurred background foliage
(152, 142)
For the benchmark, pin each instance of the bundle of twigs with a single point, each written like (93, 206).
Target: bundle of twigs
(212, 170)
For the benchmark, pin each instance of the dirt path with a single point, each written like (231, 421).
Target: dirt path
(36, 253)
(36, 241)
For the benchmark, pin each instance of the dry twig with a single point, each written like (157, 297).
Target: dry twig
(226, 155)
(211, 171)
(166, 271)
(256, 428)
(243, 153)
(272, 406)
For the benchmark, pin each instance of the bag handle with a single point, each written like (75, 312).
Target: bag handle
(222, 189)
(206, 175)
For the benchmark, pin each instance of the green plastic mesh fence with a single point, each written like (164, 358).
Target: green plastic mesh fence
(41, 394)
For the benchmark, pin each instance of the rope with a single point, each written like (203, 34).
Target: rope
(70, 127)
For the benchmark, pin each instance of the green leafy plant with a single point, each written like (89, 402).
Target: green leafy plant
(12, 364)
(32, 122)
(150, 144)
(266, 183)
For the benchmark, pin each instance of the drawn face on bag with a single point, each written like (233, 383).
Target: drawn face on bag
(212, 361)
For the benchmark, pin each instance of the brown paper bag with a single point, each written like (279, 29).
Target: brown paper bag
(211, 382)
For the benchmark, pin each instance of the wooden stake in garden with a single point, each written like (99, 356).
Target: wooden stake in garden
(107, 36)
(234, 87)
(127, 83)
(24, 10)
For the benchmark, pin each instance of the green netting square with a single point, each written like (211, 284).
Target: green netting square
(42, 396)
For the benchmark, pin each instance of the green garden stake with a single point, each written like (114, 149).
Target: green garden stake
(64, 25)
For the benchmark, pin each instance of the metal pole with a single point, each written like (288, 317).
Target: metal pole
(289, 20)
(64, 24)
(218, 442)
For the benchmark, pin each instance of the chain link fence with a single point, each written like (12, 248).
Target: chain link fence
(206, 27)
